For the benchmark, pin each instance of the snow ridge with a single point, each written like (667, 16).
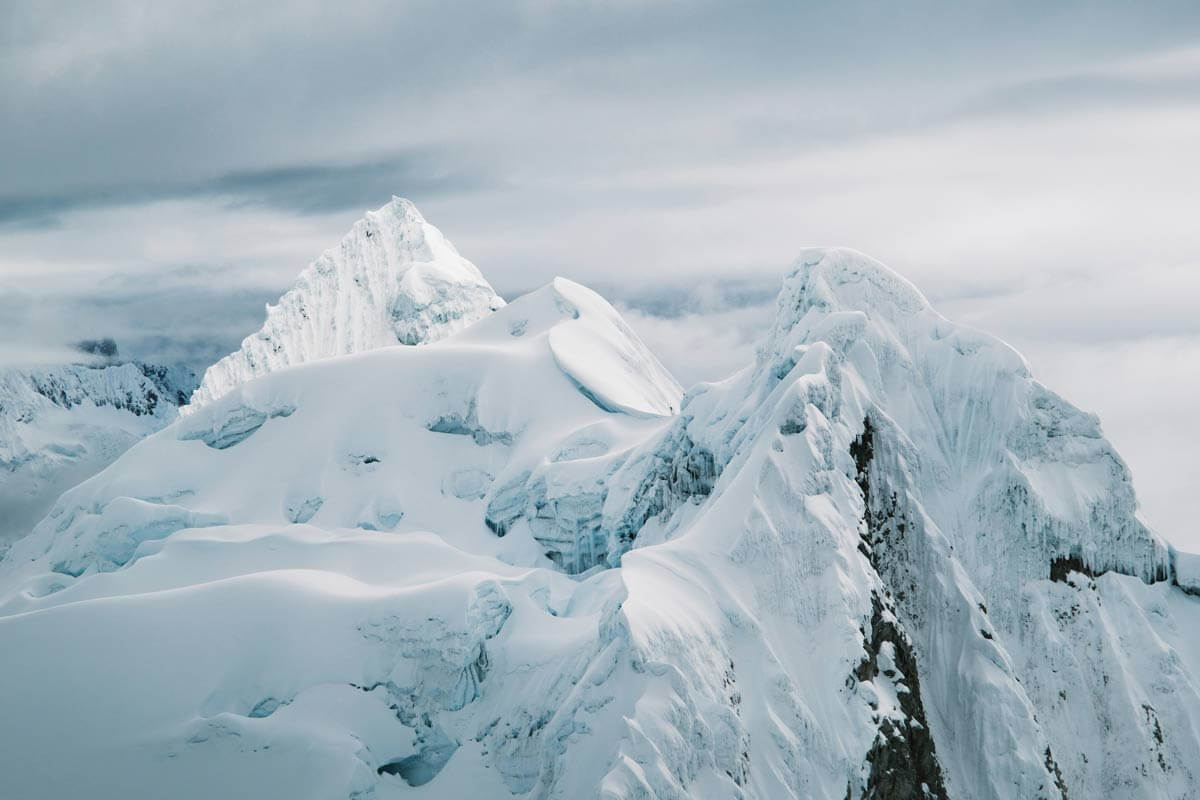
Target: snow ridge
(394, 279)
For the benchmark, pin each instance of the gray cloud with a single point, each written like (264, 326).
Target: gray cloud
(1080, 92)
(672, 301)
(302, 189)
(188, 315)
(108, 95)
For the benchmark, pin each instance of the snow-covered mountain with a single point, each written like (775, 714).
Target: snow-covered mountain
(394, 279)
(879, 562)
(63, 423)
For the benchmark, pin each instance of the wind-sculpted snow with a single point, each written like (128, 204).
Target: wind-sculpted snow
(232, 427)
(879, 562)
(607, 360)
(1185, 571)
(394, 279)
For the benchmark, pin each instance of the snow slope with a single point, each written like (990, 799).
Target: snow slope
(62, 424)
(881, 561)
(393, 279)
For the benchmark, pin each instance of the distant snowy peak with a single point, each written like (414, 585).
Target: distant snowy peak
(394, 279)
(142, 390)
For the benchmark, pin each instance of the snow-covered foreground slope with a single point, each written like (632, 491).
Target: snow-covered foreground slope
(881, 561)
(62, 424)
(393, 279)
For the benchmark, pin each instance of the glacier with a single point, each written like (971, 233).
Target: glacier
(519, 560)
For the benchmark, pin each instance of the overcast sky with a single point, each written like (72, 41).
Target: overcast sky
(165, 168)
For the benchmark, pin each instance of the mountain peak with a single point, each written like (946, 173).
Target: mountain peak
(393, 279)
(850, 276)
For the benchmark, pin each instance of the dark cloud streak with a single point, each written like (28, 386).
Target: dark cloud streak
(300, 189)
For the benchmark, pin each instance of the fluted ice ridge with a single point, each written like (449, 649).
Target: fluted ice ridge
(394, 279)
(994, 450)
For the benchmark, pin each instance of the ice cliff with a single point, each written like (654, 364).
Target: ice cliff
(881, 561)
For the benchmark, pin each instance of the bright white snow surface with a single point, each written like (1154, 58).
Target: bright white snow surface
(514, 562)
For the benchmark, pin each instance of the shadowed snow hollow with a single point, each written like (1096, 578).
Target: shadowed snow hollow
(394, 279)
(879, 562)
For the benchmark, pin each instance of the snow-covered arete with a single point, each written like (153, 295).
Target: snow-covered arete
(393, 279)
(881, 561)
